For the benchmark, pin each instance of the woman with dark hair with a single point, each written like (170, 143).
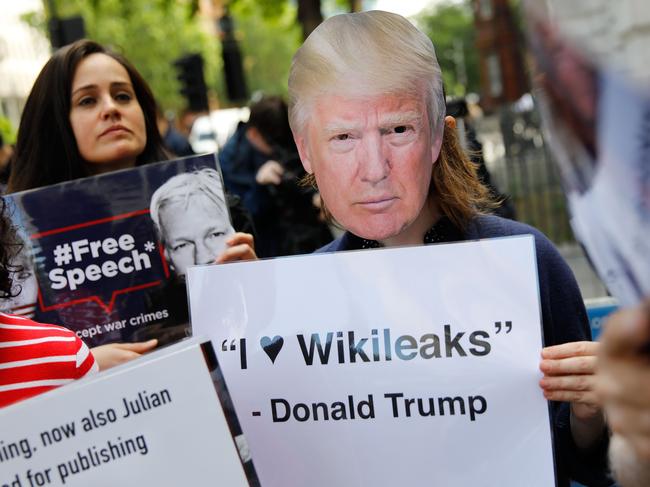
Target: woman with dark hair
(91, 112)
(79, 80)
(34, 357)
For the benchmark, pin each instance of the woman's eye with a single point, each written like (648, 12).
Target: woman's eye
(123, 97)
(86, 101)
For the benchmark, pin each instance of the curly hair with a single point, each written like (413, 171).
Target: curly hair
(10, 247)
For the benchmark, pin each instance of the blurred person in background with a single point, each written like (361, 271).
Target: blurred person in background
(458, 108)
(175, 142)
(260, 163)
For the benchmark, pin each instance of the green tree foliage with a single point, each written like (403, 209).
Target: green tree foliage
(269, 36)
(306, 13)
(7, 131)
(151, 34)
(451, 28)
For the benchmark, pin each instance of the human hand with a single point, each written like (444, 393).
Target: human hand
(112, 354)
(623, 377)
(569, 371)
(241, 246)
(269, 173)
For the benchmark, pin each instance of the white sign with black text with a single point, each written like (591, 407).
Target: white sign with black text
(406, 366)
(156, 421)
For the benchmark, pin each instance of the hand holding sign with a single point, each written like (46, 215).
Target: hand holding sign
(240, 246)
(569, 376)
(113, 354)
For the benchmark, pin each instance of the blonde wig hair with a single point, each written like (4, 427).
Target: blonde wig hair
(373, 53)
(364, 54)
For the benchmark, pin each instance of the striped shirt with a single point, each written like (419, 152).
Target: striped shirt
(35, 358)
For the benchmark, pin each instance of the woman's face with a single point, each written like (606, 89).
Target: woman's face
(105, 115)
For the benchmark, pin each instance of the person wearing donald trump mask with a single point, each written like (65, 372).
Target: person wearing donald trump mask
(367, 111)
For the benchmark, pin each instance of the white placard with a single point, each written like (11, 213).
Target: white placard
(430, 326)
(612, 218)
(157, 421)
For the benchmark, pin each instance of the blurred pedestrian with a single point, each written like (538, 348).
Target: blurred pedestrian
(260, 163)
(175, 142)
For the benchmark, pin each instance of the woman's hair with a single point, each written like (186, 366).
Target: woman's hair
(46, 149)
(10, 247)
(455, 184)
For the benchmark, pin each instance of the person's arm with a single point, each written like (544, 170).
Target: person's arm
(86, 361)
(580, 446)
(628, 468)
(112, 354)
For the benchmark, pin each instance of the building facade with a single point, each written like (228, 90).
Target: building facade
(23, 52)
(499, 42)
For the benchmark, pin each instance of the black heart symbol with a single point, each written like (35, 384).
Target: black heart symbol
(272, 346)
